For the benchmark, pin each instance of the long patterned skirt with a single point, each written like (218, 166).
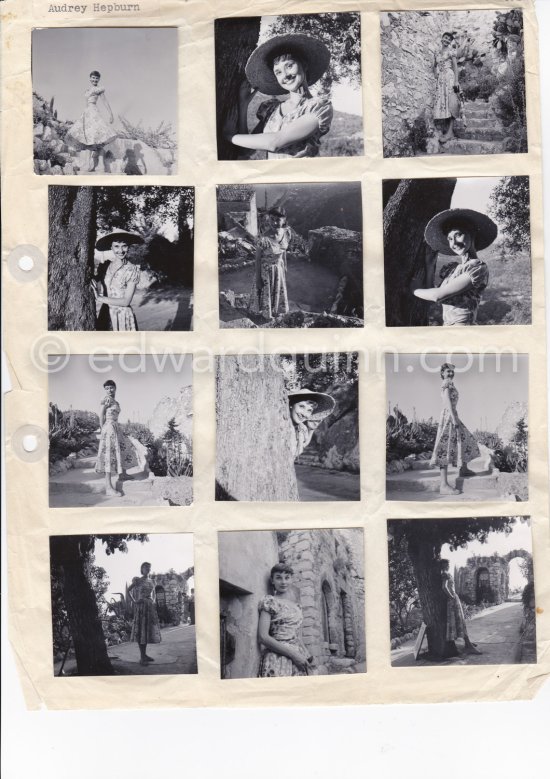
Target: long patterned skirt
(273, 664)
(116, 452)
(453, 445)
(146, 628)
(443, 92)
(271, 299)
(456, 627)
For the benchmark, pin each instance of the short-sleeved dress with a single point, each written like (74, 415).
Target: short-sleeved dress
(456, 623)
(462, 309)
(444, 91)
(453, 445)
(286, 620)
(272, 120)
(116, 283)
(116, 452)
(271, 297)
(91, 129)
(145, 628)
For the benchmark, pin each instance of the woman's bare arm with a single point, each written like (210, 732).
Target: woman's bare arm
(454, 287)
(125, 301)
(298, 130)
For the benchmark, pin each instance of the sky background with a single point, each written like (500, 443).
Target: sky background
(141, 383)
(138, 66)
(519, 538)
(344, 97)
(163, 551)
(485, 392)
(474, 193)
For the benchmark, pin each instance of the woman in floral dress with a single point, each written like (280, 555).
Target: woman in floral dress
(116, 452)
(447, 102)
(91, 131)
(145, 628)
(120, 279)
(284, 65)
(454, 444)
(456, 622)
(269, 295)
(279, 628)
(461, 232)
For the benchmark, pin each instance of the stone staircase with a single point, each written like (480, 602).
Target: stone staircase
(422, 483)
(82, 486)
(478, 133)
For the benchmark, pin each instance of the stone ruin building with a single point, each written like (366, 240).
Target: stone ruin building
(487, 579)
(175, 600)
(329, 585)
(237, 208)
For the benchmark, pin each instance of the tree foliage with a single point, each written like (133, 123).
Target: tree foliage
(509, 205)
(319, 371)
(341, 32)
(403, 589)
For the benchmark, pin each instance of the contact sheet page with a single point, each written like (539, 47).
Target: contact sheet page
(293, 261)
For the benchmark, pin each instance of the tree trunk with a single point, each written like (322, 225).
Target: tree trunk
(185, 241)
(72, 232)
(85, 625)
(254, 454)
(424, 555)
(235, 40)
(408, 210)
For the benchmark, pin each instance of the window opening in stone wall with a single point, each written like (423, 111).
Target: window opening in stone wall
(483, 587)
(350, 646)
(325, 603)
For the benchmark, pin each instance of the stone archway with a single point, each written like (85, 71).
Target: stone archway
(487, 579)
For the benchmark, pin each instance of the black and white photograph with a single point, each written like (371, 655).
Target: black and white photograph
(457, 251)
(289, 86)
(105, 101)
(292, 603)
(287, 427)
(120, 430)
(453, 82)
(457, 427)
(123, 604)
(462, 592)
(120, 258)
(290, 255)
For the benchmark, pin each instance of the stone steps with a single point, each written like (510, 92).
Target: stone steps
(486, 133)
(422, 483)
(469, 147)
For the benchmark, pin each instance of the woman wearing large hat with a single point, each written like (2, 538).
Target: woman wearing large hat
(461, 232)
(307, 410)
(116, 285)
(285, 65)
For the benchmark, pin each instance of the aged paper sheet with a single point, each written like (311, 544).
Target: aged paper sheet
(31, 522)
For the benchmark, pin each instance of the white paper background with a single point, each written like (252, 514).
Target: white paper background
(507, 739)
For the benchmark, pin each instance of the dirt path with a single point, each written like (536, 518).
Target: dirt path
(495, 631)
(322, 484)
(164, 307)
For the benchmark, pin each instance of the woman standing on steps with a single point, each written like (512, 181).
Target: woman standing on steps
(461, 232)
(116, 453)
(145, 628)
(447, 102)
(279, 628)
(118, 284)
(91, 131)
(456, 622)
(269, 295)
(454, 444)
(283, 65)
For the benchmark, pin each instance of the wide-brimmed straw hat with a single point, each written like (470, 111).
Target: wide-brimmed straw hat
(311, 52)
(324, 403)
(483, 229)
(105, 242)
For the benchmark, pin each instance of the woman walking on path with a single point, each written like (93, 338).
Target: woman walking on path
(461, 232)
(456, 622)
(454, 444)
(120, 279)
(116, 452)
(279, 629)
(447, 101)
(91, 131)
(145, 628)
(269, 295)
(285, 64)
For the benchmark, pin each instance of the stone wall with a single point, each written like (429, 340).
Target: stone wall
(483, 579)
(329, 576)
